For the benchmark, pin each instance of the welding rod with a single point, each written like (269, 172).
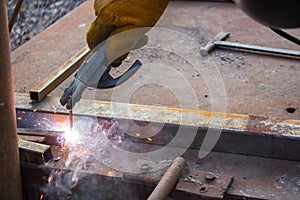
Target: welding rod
(71, 119)
(169, 179)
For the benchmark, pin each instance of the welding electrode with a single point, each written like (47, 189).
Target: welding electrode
(71, 120)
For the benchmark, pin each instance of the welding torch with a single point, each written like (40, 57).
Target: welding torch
(94, 74)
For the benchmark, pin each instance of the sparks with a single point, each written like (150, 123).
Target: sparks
(110, 173)
(72, 137)
(50, 179)
(54, 109)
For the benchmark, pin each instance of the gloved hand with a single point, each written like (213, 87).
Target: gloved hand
(117, 16)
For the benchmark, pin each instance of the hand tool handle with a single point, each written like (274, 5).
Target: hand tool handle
(258, 49)
(169, 179)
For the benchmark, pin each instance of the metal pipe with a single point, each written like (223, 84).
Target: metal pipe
(10, 175)
(15, 15)
(169, 179)
(218, 42)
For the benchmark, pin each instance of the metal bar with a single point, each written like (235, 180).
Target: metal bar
(259, 136)
(41, 90)
(34, 153)
(37, 139)
(258, 49)
(10, 176)
(147, 113)
(15, 15)
(52, 137)
(169, 179)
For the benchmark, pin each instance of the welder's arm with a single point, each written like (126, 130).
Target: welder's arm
(117, 16)
(119, 27)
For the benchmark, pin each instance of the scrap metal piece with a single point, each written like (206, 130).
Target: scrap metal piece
(218, 43)
(200, 183)
(41, 90)
(34, 153)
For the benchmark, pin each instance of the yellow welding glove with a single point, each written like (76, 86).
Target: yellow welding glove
(119, 16)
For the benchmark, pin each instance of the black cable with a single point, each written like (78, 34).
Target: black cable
(286, 36)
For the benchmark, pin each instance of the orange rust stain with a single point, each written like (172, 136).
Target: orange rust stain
(202, 112)
(178, 110)
(292, 122)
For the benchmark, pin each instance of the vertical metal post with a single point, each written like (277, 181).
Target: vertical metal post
(10, 175)
(14, 15)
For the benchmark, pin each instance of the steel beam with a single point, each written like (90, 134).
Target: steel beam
(10, 176)
(258, 135)
(42, 89)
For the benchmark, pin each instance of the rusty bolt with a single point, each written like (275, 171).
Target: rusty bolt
(210, 177)
(145, 167)
(203, 189)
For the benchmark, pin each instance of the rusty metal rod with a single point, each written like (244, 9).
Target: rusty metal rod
(169, 179)
(42, 89)
(10, 175)
(15, 15)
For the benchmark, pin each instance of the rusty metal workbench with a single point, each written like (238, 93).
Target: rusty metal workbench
(260, 140)
(254, 85)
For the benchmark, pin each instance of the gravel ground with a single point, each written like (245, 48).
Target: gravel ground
(35, 16)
